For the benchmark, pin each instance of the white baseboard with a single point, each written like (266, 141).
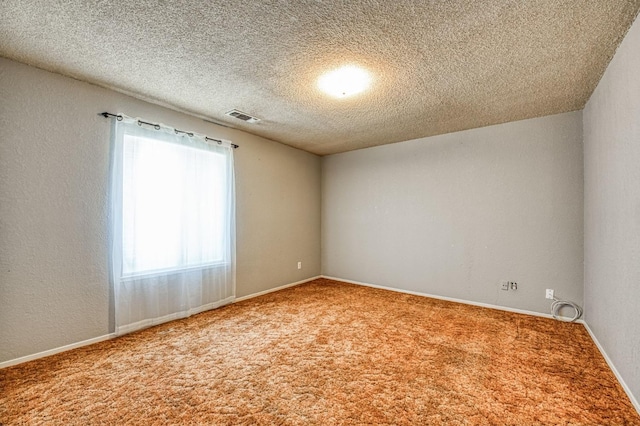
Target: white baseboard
(130, 328)
(448, 299)
(633, 399)
(54, 351)
(271, 290)
(137, 326)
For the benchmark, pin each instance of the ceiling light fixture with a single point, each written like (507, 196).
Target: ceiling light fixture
(345, 81)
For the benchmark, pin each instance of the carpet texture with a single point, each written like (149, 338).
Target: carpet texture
(327, 353)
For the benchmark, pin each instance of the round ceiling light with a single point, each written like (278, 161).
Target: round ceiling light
(345, 81)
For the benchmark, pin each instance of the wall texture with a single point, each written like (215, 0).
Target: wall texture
(612, 210)
(453, 215)
(54, 161)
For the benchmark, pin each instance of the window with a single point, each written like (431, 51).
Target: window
(174, 211)
(173, 224)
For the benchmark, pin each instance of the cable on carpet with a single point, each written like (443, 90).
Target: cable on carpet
(558, 304)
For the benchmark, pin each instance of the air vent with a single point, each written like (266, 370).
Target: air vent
(242, 116)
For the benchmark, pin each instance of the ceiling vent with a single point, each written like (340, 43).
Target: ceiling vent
(242, 116)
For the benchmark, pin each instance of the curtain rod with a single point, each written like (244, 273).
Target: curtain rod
(119, 117)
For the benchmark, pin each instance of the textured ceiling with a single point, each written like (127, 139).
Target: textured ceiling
(437, 66)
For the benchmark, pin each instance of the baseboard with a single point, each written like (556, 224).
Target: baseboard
(91, 341)
(54, 351)
(626, 388)
(633, 399)
(449, 299)
(271, 290)
(140, 325)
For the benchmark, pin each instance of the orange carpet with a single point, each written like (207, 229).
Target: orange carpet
(327, 353)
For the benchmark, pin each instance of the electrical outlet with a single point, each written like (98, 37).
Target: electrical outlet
(299, 265)
(549, 293)
(508, 285)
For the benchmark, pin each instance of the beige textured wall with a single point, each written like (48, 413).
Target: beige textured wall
(612, 211)
(54, 159)
(452, 215)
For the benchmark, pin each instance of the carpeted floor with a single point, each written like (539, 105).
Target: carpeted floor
(327, 353)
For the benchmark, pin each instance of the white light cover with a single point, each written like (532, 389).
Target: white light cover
(345, 81)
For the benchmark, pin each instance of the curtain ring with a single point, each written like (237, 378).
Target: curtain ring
(119, 117)
(157, 127)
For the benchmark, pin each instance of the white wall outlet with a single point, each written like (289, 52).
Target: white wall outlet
(299, 265)
(514, 285)
(504, 285)
(549, 293)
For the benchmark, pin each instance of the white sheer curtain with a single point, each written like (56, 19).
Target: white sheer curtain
(173, 224)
